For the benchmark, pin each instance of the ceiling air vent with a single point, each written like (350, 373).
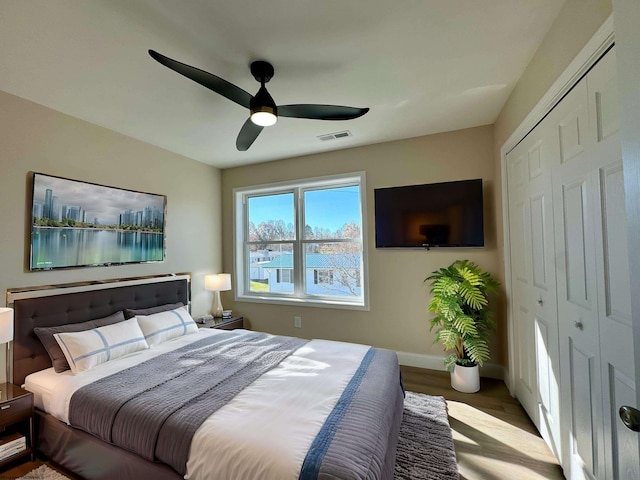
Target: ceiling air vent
(335, 136)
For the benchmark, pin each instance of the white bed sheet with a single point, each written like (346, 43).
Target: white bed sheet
(52, 391)
(264, 432)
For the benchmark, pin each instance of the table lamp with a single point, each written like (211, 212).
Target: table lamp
(6, 335)
(217, 283)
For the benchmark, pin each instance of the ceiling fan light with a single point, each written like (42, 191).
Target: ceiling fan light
(263, 109)
(264, 116)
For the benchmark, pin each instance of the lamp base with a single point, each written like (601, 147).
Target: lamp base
(217, 305)
(9, 363)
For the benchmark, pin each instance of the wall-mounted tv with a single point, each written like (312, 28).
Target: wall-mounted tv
(448, 214)
(81, 224)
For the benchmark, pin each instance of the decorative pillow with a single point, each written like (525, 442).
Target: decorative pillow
(85, 350)
(163, 326)
(130, 313)
(45, 334)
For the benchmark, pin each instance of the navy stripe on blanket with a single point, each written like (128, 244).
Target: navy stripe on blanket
(320, 445)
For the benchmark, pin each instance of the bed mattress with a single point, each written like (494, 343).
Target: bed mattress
(265, 431)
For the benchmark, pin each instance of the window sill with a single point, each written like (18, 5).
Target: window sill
(305, 302)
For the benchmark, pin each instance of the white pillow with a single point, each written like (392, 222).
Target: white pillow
(163, 326)
(85, 350)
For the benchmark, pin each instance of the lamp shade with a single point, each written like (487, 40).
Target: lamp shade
(218, 283)
(6, 325)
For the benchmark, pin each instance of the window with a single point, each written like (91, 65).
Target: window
(323, 276)
(302, 241)
(285, 275)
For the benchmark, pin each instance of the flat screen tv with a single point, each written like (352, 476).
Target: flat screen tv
(445, 214)
(81, 224)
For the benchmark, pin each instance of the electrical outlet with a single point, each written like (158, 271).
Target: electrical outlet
(297, 322)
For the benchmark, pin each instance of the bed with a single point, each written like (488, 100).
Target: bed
(237, 404)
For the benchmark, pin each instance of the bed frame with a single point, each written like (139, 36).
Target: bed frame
(70, 448)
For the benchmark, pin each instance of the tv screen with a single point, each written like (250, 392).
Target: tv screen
(80, 224)
(446, 214)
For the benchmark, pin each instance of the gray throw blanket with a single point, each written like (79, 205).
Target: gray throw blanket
(154, 408)
(358, 439)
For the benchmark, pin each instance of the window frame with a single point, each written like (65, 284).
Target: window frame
(241, 250)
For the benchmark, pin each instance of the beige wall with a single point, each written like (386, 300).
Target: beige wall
(576, 23)
(397, 318)
(36, 138)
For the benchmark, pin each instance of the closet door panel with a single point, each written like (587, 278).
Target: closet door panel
(579, 329)
(534, 306)
(571, 142)
(539, 235)
(614, 294)
(516, 168)
(517, 180)
(548, 381)
(571, 121)
(575, 255)
(527, 371)
(535, 161)
(575, 268)
(615, 324)
(518, 243)
(543, 258)
(520, 234)
(584, 432)
(614, 289)
(604, 107)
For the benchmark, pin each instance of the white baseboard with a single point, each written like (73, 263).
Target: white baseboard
(434, 362)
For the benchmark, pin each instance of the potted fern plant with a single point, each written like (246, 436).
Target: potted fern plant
(462, 319)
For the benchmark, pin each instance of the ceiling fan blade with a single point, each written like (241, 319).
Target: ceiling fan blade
(321, 112)
(248, 133)
(206, 79)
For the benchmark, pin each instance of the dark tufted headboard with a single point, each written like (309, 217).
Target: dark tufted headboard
(95, 301)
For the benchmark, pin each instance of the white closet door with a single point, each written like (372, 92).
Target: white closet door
(521, 290)
(540, 160)
(594, 296)
(533, 281)
(571, 295)
(577, 288)
(614, 292)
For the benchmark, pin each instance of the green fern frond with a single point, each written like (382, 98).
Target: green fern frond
(465, 325)
(477, 350)
(473, 295)
(448, 339)
(470, 275)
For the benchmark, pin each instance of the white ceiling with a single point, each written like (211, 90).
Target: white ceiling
(422, 66)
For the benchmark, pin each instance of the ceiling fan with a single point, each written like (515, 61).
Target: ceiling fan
(264, 111)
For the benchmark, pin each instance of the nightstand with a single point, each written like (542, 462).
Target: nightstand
(224, 323)
(16, 419)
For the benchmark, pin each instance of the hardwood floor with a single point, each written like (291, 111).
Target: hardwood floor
(493, 436)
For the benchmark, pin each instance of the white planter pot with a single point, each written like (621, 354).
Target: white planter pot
(465, 379)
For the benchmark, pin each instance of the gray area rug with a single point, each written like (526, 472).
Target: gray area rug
(425, 448)
(43, 472)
